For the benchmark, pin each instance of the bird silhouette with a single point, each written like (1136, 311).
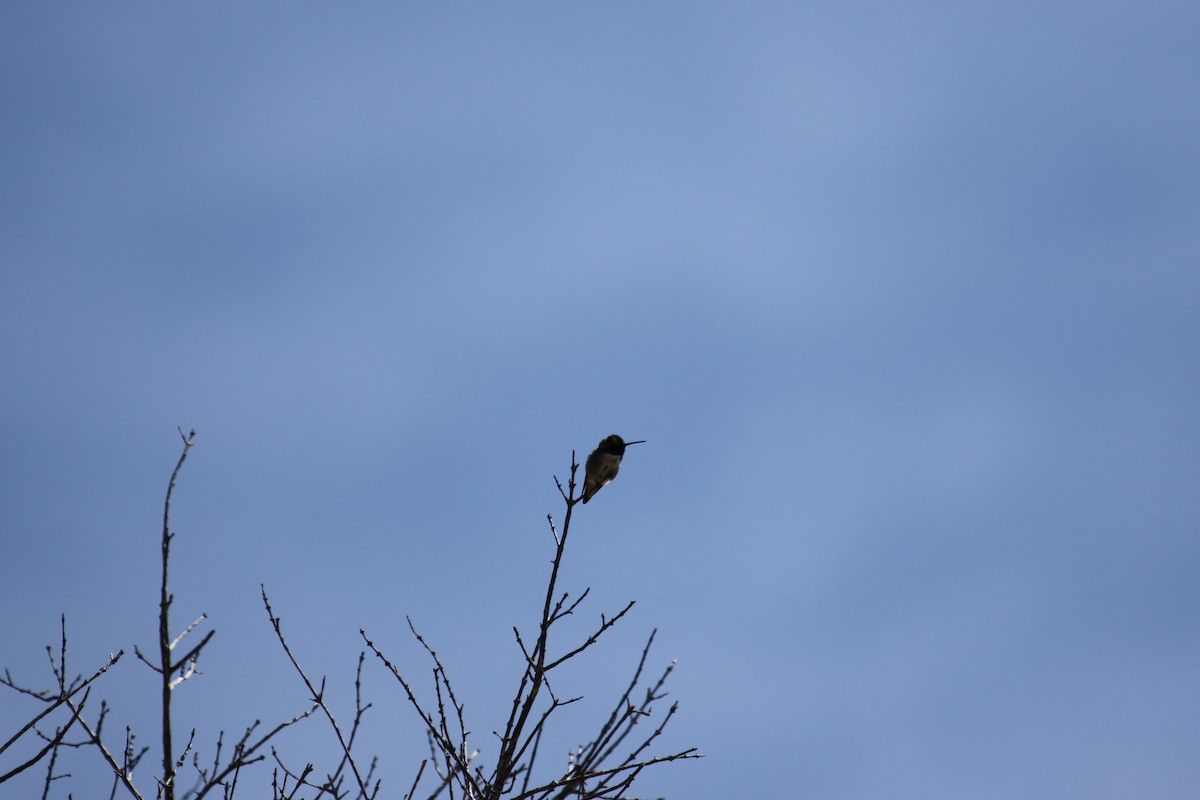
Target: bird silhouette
(604, 463)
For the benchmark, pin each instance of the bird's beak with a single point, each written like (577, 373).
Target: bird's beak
(639, 441)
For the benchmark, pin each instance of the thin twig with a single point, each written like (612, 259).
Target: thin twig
(572, 779)
(461, 766)
(121, 774)
(317, 696)
(53, 744)
(56, 702)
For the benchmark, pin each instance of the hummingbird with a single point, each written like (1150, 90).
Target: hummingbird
(604, 463)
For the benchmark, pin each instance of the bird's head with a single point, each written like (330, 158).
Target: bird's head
(616, 445)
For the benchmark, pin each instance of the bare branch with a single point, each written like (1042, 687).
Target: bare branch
(591, 640)
(137, 652)
(55, 702)
(420, 771)
(122, 773)
(165, 643)
(188, 662)
(185, 632)
(52, 744)
(317, 696)
(534, 674)
(244, 752)
(572, 780)
(168, 782)
(460, 762)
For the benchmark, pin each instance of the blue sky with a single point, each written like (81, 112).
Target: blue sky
(904, 298)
